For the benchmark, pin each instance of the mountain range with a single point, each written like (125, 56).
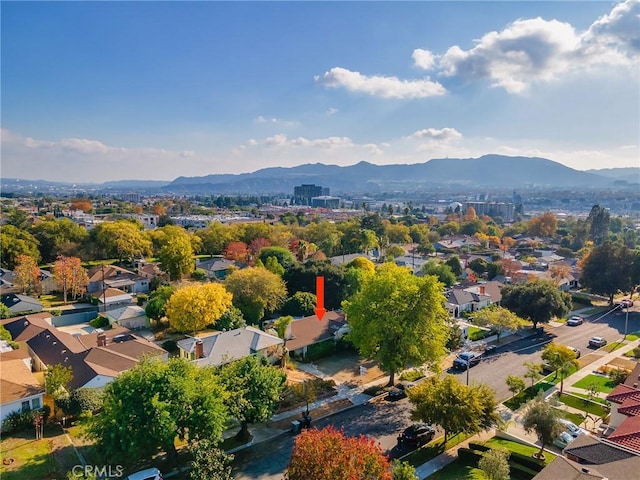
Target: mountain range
(442, 173)
(488, 171)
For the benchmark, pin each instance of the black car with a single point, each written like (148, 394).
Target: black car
(399, 390)
(466, 360)
(417, 435)
(490, 350)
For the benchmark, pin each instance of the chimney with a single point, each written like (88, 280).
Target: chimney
(481, 289)
(102, 340)
(199, 348)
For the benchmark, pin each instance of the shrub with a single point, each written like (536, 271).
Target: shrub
(636, 352)
(479, 446)
(412, 375)
(199, 274)
(529, 462)
(468, 456)
(520, 472)
(619, 376)
(79, 401)
(99, 322)
(320, 350)
(17, 421)
(141, 298)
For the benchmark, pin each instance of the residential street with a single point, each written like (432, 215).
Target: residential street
(383, 420)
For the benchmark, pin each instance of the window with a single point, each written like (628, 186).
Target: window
(35, 404)
(25, 406)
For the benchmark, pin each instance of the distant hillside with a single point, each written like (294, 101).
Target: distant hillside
(629, 174)
(486, 171)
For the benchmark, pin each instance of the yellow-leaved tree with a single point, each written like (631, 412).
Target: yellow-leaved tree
(194, 307)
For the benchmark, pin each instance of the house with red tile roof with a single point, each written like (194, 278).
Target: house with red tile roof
(625, 416)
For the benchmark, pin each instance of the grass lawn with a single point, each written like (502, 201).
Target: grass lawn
(528, 394)
(457, 471)
(52, 300)
(614, 346)
(593, 408)
(496, 442)
(572, 417)
(603, 384)
(633, 336)
(433, 449)
(602, 401)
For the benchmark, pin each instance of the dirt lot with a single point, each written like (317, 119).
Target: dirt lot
(344, 368)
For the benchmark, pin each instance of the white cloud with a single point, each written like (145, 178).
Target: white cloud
(328, 143)
(332, 111)
(379, 86)
(423, 59)
(86, 160)
(526, 51)
(275, 121)
(442, 135)
(533, 50)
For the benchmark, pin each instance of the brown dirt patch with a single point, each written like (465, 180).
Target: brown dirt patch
(621, 362)
(345, 368)
(297, 376)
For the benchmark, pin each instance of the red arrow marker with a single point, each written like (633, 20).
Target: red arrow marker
(320, 310)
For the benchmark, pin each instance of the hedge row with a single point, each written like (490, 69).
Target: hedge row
(522, 466)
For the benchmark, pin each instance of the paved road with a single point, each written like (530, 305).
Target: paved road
(510, 358)
(382, 420)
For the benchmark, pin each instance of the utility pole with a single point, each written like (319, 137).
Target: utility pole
(104, 291)
(626, 322)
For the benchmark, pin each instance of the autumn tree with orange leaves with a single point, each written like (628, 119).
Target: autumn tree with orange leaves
(328, 454)
(237, 251)
(27, 274)
(70, 276)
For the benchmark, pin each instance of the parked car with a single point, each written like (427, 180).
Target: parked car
(490, 350)
(626, 303)
(576, 351)
(399, 390)
(597, 342)
(547, 368)
(571, 427)
(417, 435)
(563, 440)
(148, 474)
(466, 360)
(575, 321)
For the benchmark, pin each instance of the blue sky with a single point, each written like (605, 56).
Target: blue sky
(96, 91)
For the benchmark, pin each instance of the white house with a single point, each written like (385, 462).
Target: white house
(19, 389)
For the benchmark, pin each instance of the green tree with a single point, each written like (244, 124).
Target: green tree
(441, 270)
(255, 388)
(194, 307)
(533, 372)
(495, 465)
(4, 312)
(282, 255)
(562, 359)
(147, 407)
(609, 268)
(403, 471)
(598, 221)
(122, 239)
(281, 326)
(15, 242)
(215, 238)
(256, 291)
(61, 236)
(176, 253)
(300, 304)
(273, 266)
(498, 319)
(398, 319)
(56, 380)
(230, 320)
(515, 384)
(537, 301)
(455, 407)
(209, 462)
(454, 264)
(155, 308)
(542, 419)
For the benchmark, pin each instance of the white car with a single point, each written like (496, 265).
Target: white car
(575, 321)
(148, 474)
(571, 428)
(563, 440)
